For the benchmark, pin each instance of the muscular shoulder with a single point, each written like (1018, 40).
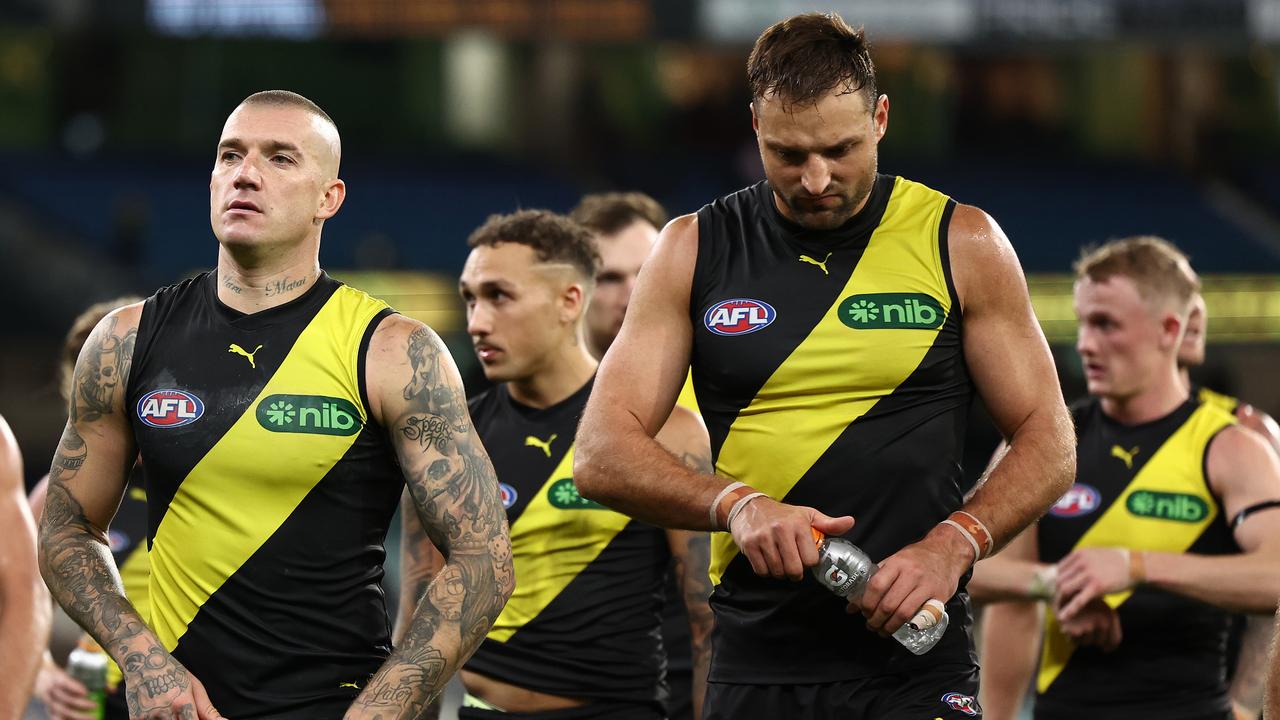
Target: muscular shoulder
(1259, 422)
(1242, 467)
(399, 351)
(983, 262)
(679, 239)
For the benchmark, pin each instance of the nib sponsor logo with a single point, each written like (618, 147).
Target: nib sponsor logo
(311, 414)
(169, 408)
(891, 311)
(1179, 507)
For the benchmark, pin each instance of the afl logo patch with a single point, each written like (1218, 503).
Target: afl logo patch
(740, 316)
(169, 408)
(964, 703)
(508, 495)
(1080, 500)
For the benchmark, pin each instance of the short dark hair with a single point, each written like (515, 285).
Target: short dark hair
(288, 98)
(609, 213)
(802, 58)
(553, 238)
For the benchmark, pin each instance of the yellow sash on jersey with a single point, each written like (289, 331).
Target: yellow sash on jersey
(251, 481)
(556, 537)
(837, 374)
(1176, 469)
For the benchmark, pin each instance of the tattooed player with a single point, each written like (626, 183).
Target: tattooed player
(278, 414)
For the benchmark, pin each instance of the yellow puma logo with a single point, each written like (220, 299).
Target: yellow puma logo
(350, 685)
(811, 261)
(1126, 456)
(543, 445)
(247, 355)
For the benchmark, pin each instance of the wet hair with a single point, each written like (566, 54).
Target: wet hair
(802, 58)
(606, 214)
(1160, 270)
(79, 333)
(553, 238)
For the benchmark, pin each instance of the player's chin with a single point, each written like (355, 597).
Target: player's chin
(822, 219)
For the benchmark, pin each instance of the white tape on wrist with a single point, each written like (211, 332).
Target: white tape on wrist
(737, 508)
(930, 614)
(977, 553)
(715, 504)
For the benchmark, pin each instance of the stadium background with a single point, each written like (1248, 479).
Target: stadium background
(1070, 121)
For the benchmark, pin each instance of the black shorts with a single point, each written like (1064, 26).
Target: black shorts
(948, 692)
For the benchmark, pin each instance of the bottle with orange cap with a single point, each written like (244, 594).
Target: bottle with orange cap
(844, 569)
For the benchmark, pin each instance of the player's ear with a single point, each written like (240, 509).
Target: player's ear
(573, 302)
(335, 192)
(1171, 326)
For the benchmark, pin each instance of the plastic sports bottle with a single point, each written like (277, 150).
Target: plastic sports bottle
(844, 569)
(88, 664)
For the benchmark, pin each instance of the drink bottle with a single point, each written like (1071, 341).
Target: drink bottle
(844, 569)
(88, 664)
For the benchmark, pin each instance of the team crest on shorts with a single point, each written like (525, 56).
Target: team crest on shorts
(169, 408)
(739, 316)
(1080, 500)
(964, 703)
(509, 495)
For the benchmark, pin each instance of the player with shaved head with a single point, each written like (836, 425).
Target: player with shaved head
(278, 414)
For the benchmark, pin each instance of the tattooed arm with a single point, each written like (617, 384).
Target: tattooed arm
(420, 561)
(24, 608)
(685, 436)
(86, 483)
(415, 392)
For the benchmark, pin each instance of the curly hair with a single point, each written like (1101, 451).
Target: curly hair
(553, 238)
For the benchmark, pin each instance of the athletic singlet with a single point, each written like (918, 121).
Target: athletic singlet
(830, 372)
(583, 621)
(270, 490)
(1143, 487)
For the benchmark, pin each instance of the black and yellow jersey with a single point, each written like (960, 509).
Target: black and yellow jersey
(270, 490)
(1142, 487)
(128, 538)
(1213, 397)
(829, 369)
(583, 621)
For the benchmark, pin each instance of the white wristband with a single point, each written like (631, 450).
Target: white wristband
(715, 504)
(737, 508)
(977, 553)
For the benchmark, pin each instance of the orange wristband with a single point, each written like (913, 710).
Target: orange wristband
(975, 531)
(1137, 567)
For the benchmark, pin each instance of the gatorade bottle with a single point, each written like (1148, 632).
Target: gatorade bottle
(88, 664)
(844, 569)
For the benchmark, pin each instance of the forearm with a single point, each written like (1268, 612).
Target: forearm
(1248, 582)
(454, 615)
(1251, 669)
(1037, 469)
(695, 586)
(24, 632)
(77, 565)
(1001, 579)
(419, 563)
(617, 464)
(1010, 636)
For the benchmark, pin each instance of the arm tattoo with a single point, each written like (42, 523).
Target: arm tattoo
(456, 495)
(75, 557)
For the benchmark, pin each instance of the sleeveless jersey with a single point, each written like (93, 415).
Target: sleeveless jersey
(1143, 487)
(583, 621)
(830, 372)
(1213, 397)
(270, 490)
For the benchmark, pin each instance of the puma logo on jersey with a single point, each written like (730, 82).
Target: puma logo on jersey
(247, 355)
(543, 445)
(1125, 455)
(349, 685)
(811, 261)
